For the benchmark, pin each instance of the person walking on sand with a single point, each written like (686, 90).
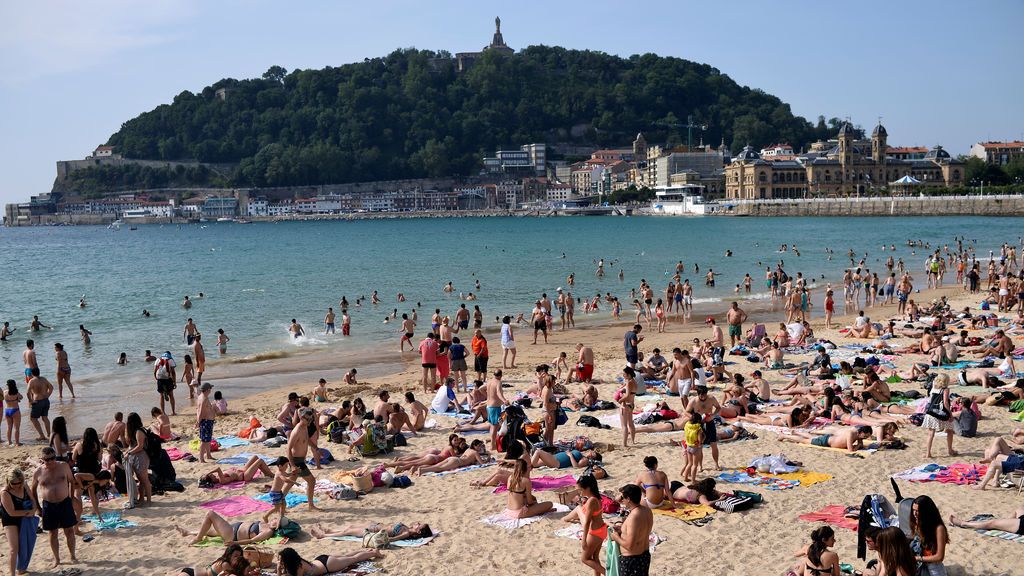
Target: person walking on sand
(633, 535)
(163, 373)
(495, 402)
(39, 391)
(205, 415)
(298, 446)
(63, 371)
(200, 356)
(626, 396)
(508, 343)
(735, 317)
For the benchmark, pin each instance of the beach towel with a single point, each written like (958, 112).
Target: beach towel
(410, 543)
(834, 515)
(502, 520)
(368, 567)
(685, 512)
(218, 542)
(774, 481)
(236, 506)
(958, 473)
(110, 521)
(575, 532)
(290, 500)
(231, 441)
(463, 469)
(542, 483)
(194, 445)
(228, 486)
(241, 459)
(26, 541)
(177, 454)
(1008, 536)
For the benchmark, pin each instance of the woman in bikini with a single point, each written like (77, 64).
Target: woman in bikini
(12, 413)
(521, 502)
(797, 418)
(659, 313)
(654, 483)
(702, 492)
(255, 465)
(626, 397)
(233, 561)
(456, 446)
(550, 407)
(569, 459)
(734, 399)
(395, 532)
(589, 515)
(291, 564)
(237, 533)
(476, 454)
(820, 560)
(188, 373)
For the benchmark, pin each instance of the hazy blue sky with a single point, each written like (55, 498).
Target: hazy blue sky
(946, 72)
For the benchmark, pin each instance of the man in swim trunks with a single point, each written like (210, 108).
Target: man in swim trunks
(199, 355)
(63, 371)
(189, 332)
(38, 394)
(630, 344)
(849, 439)
(329, 321)
(6, 331)
(735, 317)
(205, 414)
(52, 486)
(298, 446)
(584, 363)
(29, 359)
(495, 401)
(634, 533)
(408, 326)
(462, 317)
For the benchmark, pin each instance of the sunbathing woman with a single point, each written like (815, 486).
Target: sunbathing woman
(1013, 524)
(567, 459)
(589, 515)
(797, 418)
(521, 502)
(702, 492)
(726, 432)
(291, 564)
(237, 533)
(233, 561)
(395, 532)
(476, 454)
(456, 446)
(517, 450)
(654, 484)
(255, 465)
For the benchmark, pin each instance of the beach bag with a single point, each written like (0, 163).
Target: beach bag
(398, 439)
(377, 540)
(258, 556)
(532, 428)
(288, 528)
(916, 419)
(1017, 406)
(344, 492)
(374, 440)
(336, 432)
(589, 421)
(936, 408)
(609, 505)
(734, 504)
(402, 481)
(754, 496)
(561, 417)
(363, 483)
(325, 457)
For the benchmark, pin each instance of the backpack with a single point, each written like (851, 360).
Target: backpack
(377, 540)
(336, 432)
(734, 504)
(288, 528)
(515, 419)
(402, 481)
(589, 421)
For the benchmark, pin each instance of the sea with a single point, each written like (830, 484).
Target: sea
(255, 278)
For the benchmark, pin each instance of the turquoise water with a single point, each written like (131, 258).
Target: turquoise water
(257, 277)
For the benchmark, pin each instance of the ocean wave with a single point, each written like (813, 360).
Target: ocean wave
(260, 357)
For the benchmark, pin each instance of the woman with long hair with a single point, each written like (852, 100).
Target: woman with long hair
(291, 564)
(87, 452)
(703, 492)
(930, 535)
(136, 461)
(820, 560)
(895, 558)
(521, 502)
(233, 561)
(59, 440)
(939, 398)
(12, 413)
(477, 454)
(590, 515)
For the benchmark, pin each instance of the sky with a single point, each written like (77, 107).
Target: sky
(943, 72)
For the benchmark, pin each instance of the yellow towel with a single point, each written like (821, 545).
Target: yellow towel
(683, 511)
(806, 477)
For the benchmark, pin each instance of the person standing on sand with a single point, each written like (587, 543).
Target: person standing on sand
(163, 373)
(626, 397)
(63, 371)
(480, 354)
(52, 485)
(708, 408)
(298, 445)
(508, 342)
(537, 318)
(495, 402)
(205, 414)
(630, 343)
(200, 356)
(38, 392)
(735, 317)
(633, 535)
(428, 361)
(408, 329)
(329, 321)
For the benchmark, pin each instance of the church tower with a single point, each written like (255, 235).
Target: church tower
(846, 137)
(879, 144)
(640, 148)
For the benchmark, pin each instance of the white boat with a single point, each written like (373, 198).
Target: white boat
(685, 200)
(225, 219)
(115, 225)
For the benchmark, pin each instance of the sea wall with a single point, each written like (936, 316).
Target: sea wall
(1004, 205)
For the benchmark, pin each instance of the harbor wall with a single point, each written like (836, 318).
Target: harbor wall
(1003, 205)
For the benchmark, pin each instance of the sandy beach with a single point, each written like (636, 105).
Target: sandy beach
(759, 541)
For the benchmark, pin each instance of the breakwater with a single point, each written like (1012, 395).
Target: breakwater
(975, 205)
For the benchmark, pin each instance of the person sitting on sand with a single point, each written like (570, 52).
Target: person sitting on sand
(521, 502)
(233, 561)
(861, 327)
(232, 533)
(820, 561)
(587, 400)
(291, 564)
(417, 411)
(567, 459)
(476, 400)
(654, 483)
(1003, 397)
(1013, 524)
(517, 450)
(476, 454)
(395, 532)
(252, 468)
(703, 492)
(850, 439)
(399, 420)
(161, 425)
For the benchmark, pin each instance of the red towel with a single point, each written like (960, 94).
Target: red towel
(834, 515)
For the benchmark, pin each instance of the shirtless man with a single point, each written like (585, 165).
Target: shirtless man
(199, 355)
(849, 439)
(759, 386)
(735, 318)
(634, 533)
(115, 431)
(717, 338)
(287, 414)
(384, 408)
(584, 369)
(861, 327)
(708, 407)
(6, 331)
(38, 394)
(205, 415)
(52, 486)
(495, 401)
(63, 371)
(1001, 346)
(399, 419)
(461, 318)
(417, 411)
(329, 321)
(408, 328)
(296, 329)
(28, 357)
(298, 446)
(560, 304)
(189, 332)
(36, 325)
(681, 376)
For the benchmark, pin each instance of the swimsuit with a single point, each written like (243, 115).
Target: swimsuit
(563, 458)
(237, 525)
(9, 412)
(206, 430)
(821, 440)
(638, 565)
(494, 415)
(40, 408)
(59, 514)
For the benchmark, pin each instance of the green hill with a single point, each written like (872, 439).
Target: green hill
(410, 114)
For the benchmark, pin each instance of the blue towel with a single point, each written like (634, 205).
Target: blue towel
(26, 541)
(110, 521)
(231, 441)
(290, 500)
(241, 459)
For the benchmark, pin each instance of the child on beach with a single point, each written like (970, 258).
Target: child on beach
(219, 403)
(188, 375)
(558, 363)
(693, 435)
(320, 392)
(284, 479)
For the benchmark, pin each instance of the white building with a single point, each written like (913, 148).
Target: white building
(559, 193)
(257, 207)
